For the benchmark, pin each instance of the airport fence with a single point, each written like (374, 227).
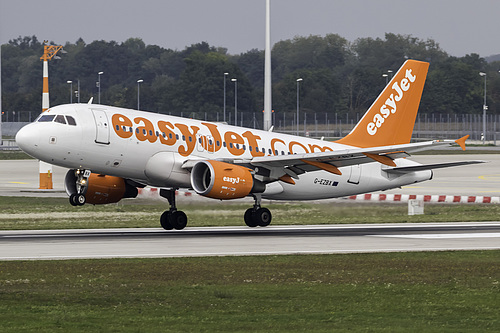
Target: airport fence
(317, 125)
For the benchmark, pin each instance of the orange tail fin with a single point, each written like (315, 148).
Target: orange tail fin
(391, 117)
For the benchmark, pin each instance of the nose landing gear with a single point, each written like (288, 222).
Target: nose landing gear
(78, 198)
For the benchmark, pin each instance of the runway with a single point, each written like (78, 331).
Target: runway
(236, 241)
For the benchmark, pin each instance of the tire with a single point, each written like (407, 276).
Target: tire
(72, 200)
(178, 220)
(249, 220)
(165, 221)
(80, 199)
(262, 217)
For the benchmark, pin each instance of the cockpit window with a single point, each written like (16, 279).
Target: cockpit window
(71, 120)
(46, 118)
(60, 119)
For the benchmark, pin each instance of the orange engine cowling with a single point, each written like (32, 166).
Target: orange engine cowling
(220, 180)
(101, 189)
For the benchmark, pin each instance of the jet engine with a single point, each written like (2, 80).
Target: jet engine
(98, 189)
(220, 180)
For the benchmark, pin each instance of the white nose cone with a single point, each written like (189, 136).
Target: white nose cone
(28, 139)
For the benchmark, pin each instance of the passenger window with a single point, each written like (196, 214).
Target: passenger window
(71, 120)
(46, 118)
(60, 119)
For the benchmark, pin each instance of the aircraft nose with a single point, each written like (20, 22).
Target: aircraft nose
(28, 138)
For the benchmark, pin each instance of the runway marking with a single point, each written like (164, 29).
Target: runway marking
(444, 236)
(494, 177)
(247, 253)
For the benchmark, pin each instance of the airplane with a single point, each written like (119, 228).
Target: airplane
(111, 152)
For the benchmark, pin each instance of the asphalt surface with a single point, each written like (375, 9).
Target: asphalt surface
(20, 178)
(227, 241)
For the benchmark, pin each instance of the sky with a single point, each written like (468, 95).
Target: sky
(459, 26)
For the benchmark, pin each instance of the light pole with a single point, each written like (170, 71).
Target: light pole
(78, 93)
(485, 107)
(138, 93)
(235, 101)
(225, 74)
(99, 85)
(386, 78)
(70, 91)
(298, 90)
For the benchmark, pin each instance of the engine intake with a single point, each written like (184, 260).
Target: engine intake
(220, 180)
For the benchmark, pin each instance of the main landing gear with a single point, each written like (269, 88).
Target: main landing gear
(78, 198)
(257, 216)
(172, 218)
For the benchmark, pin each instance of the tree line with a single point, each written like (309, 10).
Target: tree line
(338, 76)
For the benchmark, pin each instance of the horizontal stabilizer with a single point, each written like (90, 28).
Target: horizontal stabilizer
(430, 166)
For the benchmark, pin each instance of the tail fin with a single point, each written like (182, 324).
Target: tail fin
(391, 117)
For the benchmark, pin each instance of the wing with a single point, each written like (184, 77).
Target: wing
(286, 167)
(331, 161)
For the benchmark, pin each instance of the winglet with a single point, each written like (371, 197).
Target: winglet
(461, 141)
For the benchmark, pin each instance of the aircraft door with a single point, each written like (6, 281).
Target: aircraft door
(355, 174)
(102, 127)
(205, 142)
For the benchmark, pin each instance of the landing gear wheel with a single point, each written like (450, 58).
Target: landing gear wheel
(165, 221)
(172, 218)
(249, 220)
(262, 217)
(80, 199)
(178, 220)
(72, 200)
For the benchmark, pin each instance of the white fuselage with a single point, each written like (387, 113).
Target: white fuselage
(151, 149)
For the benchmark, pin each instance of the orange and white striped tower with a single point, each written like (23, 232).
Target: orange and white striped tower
(45, 169)
(45, 91)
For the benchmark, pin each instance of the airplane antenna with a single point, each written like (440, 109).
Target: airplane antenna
(267, 72)
(90, 100)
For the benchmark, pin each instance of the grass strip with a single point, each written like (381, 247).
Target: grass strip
(18, 213)
(415, 292)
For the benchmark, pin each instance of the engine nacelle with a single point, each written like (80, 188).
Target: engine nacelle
(101, 189)
(220, 180)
